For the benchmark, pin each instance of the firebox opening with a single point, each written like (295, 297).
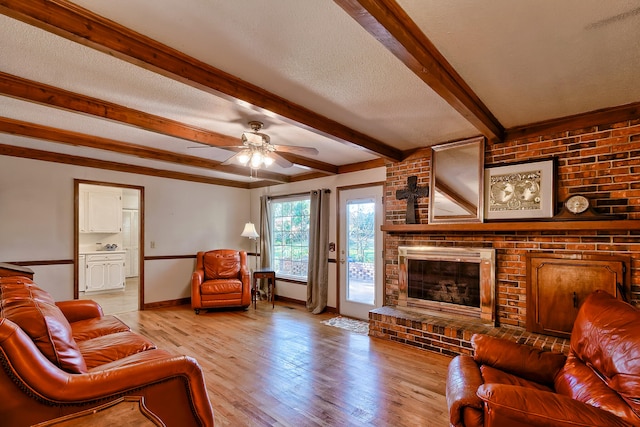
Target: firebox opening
(459, 281)
(444, 281)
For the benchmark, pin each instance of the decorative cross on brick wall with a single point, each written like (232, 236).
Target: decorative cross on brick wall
(411, 193)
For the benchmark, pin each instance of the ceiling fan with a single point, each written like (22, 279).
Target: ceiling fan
(257, 150)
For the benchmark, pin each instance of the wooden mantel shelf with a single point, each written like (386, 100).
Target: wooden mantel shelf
(631, 224)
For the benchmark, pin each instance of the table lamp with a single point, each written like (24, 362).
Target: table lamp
(250, 232)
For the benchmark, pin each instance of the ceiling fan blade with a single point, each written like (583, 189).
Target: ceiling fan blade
(236, 148)
(232, 160)
(281, 161)
(308, 151)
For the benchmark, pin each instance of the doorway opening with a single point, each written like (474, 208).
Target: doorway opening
(109, 245)
(360, 288)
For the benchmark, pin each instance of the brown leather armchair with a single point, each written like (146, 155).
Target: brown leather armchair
(221, 279)
(509, 384)
(58, 359)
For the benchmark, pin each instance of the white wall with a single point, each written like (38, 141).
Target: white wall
(299, 292)
(181, 218)
(36, 222)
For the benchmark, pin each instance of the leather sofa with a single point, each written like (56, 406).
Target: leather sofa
(596, 384)
(61, 358)
(221, 279)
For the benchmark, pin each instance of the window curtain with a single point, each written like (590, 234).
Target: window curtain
(265, 232)
(265, 241)
(318, 270)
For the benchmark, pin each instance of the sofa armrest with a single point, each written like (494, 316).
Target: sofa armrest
(514, 405)
(197, 277)
(522, 360)
(80, 309)
(173, 386)
(245, 276)
(196, 280)
(463, 380)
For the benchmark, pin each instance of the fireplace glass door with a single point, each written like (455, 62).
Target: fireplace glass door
(452, 282)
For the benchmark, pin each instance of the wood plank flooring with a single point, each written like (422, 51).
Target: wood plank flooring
(283, 367)
(119, 301)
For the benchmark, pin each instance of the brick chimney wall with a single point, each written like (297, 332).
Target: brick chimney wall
(602, 162)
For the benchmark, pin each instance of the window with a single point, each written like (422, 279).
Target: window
(290, 236)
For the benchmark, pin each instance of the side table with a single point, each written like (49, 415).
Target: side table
(270, 275)
(8, 270)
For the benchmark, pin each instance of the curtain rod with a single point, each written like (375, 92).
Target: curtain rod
(326, 190)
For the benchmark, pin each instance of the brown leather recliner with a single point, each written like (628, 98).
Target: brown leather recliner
(58, 359)
(221, 279)
(597, 384)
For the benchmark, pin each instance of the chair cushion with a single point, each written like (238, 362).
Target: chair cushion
(525, 361)
(97, 327)
(35, 311)
(578, 381)
(221, 264)
(108, 348)
(496, 376)
(606, 338)
(221, 286)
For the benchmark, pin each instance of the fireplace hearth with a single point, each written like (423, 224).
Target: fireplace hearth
(459, 281)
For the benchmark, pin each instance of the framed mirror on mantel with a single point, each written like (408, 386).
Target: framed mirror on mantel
(457, 182)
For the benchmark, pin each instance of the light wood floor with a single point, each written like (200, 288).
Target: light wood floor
(120, 301)
(282, 367)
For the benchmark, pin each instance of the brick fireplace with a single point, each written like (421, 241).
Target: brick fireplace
(601, 162)
(449, 280)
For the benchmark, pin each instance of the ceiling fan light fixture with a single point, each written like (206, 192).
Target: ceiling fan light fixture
(253, 138)
(244, 157)
(268, 160)
(257, 151)
(256, 159)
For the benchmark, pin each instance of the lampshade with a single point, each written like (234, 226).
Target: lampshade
(268, 160)
(250, 231)
(244, 157)
(256, 159)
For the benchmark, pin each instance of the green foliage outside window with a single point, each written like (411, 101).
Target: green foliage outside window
(290, 237)
(361, 229)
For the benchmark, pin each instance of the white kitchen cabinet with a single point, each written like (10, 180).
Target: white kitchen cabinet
(104, 271)
(100, 210)
(82, 267)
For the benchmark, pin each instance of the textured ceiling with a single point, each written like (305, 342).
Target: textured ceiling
(527, 61)
(537, 60)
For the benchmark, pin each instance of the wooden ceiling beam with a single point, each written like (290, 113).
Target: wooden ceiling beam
(391, 25)
(46, 133)
(617, 114)
(30, 90)
(322, 167)
(18, 87)
(80, 25)
(48, 156)
(367, 164)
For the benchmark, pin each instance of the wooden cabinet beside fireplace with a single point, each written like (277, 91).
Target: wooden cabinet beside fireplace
(558, 284)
